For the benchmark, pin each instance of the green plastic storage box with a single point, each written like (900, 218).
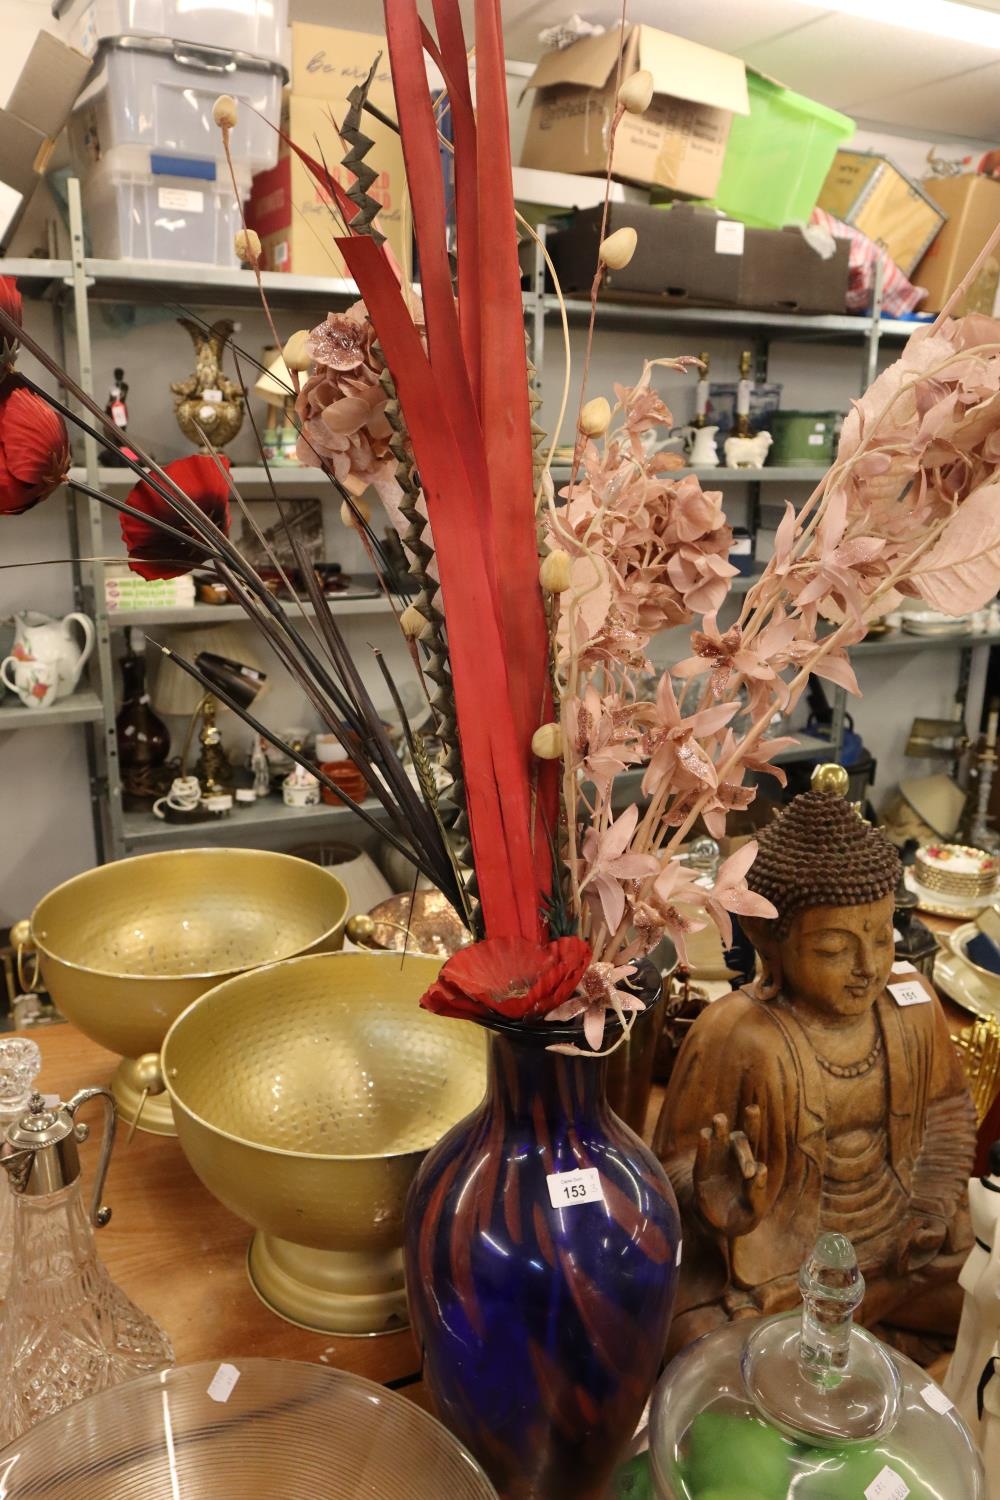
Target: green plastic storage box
(778, 156)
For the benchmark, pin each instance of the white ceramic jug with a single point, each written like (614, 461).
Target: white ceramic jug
(41, 638)
(699, 445)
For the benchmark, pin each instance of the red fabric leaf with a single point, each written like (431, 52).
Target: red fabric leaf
(154, 553)
(10, 299)
(34, 449)
(506, 418)
(10, 303)
(452, 59)
(496, 783)
(511, 977)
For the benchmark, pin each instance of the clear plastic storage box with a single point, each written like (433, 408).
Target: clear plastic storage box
(255, 26)
(152, 92)
(140, 206)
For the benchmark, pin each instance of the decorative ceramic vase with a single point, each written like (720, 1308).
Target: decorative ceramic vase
(541, 1252)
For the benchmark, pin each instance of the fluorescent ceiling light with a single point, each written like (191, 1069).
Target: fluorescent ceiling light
(948, 19)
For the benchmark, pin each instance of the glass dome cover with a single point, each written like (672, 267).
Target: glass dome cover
(805, 1406)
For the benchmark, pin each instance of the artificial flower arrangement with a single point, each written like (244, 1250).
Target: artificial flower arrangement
(534, 613)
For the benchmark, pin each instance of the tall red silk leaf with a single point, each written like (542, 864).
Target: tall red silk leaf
(418, 130)
(496, 785)
(507, 420)
(453, 62)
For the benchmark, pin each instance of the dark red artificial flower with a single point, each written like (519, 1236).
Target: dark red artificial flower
(10, 303)
(153, 552)
(34, 448)
(511, 977)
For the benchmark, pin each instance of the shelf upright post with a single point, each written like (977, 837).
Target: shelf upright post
(105, 782)
(536, 338)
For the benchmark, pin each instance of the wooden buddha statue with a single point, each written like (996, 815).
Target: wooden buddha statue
(818, 1099)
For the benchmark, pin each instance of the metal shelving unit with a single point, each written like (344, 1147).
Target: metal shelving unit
(82, 707)
(84, 281)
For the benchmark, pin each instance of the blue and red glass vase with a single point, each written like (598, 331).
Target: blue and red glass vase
(541, 1302)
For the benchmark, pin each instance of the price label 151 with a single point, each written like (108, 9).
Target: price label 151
(567, 1189)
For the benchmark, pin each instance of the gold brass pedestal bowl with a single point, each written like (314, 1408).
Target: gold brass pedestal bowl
(125, 948)
(306, 1096)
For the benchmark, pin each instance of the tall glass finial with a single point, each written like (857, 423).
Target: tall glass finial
(832, 1288)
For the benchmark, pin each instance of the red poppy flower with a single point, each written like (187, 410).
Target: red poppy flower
(510, 977)
(34, 449)
(10, 303)
(153, 552)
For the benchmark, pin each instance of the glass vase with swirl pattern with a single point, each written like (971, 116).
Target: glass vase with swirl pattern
(541, 1298)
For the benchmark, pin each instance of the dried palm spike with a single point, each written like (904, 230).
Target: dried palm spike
(595, 417)
(554, 573)
(618, 249)
(636, 92)
(546, 742)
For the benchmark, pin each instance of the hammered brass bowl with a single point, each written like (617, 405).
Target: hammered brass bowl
(306, 1096)
(124, 948)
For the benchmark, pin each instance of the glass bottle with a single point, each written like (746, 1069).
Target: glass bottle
(741, 423)
(20, 1063)
(143, 738)
(67, 1329)
(701, 393)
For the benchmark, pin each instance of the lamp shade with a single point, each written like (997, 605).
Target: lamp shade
(274, 385)
(174, 691)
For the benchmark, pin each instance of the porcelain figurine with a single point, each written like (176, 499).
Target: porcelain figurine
(825, 1097)
(42, 642)
(747, 452)
(979, 1329)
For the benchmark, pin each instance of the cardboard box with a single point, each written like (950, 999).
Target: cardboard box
(36, 111)
(689, 255)
(328, 62)
(678, 144)
(288, 207)
(868, 191)
(972, 204)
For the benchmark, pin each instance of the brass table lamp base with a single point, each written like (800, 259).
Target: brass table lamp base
(356, 1295)
(138, 1107)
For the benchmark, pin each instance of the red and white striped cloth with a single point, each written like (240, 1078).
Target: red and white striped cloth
(899, 295)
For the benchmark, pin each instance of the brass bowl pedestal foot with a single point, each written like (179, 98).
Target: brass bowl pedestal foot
(355, 1294)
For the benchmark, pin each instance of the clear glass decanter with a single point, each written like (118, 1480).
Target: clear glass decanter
(20, 1063)
(67, 1329)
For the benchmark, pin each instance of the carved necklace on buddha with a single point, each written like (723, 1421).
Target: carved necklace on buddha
(853, 1070)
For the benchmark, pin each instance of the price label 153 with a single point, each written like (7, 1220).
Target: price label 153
(567, 1189)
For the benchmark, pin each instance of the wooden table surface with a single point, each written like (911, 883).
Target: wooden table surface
(178, 1253)
(182, 1257)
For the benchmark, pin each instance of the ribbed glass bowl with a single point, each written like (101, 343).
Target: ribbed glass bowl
(285, 1429)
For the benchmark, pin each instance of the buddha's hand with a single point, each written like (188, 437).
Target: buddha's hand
(730, 1184)
(922, 1238)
